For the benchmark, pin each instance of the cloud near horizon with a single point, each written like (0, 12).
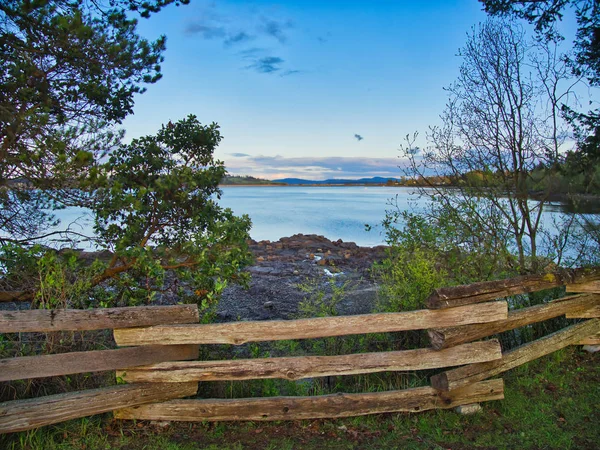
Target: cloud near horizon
(312, 168)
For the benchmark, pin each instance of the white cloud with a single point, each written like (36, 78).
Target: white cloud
(274, 167)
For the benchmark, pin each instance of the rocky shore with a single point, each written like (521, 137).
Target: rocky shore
(284, 274)
(285, 269)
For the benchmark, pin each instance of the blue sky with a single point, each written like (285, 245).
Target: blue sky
(291, 83)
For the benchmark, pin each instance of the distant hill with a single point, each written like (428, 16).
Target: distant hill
(232, 180)
(336, 181)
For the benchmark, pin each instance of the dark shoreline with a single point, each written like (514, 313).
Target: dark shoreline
(284, 268)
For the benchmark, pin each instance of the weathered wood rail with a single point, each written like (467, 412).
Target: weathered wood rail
(277, 330)
(159, 355)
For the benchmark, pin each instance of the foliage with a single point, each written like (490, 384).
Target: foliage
(246, 180)
(585, 63)
(157, 210)
(69, 69)
(501, 122)
(320, 303)
(410, 271)
(70, 72)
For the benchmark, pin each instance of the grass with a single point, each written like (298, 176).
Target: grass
(552, 403)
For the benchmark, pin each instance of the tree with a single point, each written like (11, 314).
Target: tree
(156, 212)
(586, 62)
(68, 70)
(69, 75)
(501, 122)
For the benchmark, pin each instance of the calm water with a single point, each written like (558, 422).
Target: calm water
(334, 212)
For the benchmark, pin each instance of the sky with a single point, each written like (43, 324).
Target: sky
(308, 89)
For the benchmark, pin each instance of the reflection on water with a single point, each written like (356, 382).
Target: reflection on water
(576, 206)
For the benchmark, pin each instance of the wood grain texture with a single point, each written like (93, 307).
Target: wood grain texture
(589, 313)
(457, 378)
(95, 319)
(592, 286)
(92, 361)
(326, 406)
(490, 290)
(591, 340)
(448, 337)
(295, 368)
(20, 415)
(273, 330)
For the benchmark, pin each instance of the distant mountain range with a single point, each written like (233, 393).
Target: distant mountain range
(373, 180)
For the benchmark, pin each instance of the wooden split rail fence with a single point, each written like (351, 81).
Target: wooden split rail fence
(159, 348)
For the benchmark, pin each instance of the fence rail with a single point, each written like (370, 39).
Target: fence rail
(160, 350)
(238, 333)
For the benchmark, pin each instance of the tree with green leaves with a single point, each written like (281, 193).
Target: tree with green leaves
(157, 211)
(156, 214)
(69, 75)
(69, 69)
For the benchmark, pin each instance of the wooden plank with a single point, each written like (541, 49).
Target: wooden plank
(490, 290)
(274, 330)
(591, 340)
(314, 366)
(92, 361)
(448, 337)
(457, 378)
(592, 286)
(23, 415)
(95, 319)
(325, 406)
(589, 313)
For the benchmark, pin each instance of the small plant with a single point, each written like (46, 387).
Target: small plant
(321, 303)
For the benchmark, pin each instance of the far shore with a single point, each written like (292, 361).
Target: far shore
(312, 185)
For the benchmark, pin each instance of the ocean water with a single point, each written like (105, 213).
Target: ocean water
(334, 212)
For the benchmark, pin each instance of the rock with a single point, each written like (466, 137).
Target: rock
(358, 299)
(591, 348)
(283, 266)
(160, 423)
(471, 408)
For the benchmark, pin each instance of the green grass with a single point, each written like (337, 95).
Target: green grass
(552, 403)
